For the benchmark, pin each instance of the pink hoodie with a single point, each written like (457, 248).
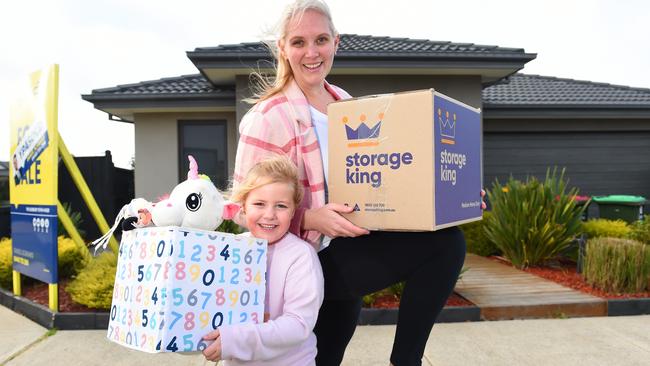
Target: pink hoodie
(294, 291)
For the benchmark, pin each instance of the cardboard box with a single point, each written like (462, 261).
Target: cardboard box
(174, 285)
(406, 161)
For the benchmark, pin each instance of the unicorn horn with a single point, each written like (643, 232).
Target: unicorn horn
(193, 173)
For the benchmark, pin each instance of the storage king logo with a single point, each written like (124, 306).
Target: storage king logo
(451, 162)
(447, 128)
(363, 135)
(360, 167)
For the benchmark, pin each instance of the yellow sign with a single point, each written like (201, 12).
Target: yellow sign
(33, 177)
(33, 142)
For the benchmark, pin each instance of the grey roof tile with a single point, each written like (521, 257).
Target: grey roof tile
(181, 85)
(516, 90)
(535, 90)
(354, 44)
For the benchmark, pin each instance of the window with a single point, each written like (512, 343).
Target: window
(206, 141)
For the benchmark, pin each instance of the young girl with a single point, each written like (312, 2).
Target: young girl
(269, 196)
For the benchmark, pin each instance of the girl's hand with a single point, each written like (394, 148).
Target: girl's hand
(213, 351)
(328, 221)
(483, 205)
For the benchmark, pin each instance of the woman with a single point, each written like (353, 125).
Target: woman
(289, 118)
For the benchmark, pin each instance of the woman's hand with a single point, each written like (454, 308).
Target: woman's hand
(213, 351)
(327, 220)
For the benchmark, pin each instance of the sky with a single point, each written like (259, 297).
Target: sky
(100, 44)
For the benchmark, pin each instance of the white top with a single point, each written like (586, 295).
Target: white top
(319, 120)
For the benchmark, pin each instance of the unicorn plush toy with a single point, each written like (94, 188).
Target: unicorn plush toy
(195, 203)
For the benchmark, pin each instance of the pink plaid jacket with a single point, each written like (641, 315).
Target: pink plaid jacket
(282, 125)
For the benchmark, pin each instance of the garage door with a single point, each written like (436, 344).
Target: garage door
(598, 163)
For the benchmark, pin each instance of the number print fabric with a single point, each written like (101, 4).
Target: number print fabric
(174, 285)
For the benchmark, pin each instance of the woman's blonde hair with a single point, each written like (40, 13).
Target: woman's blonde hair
(275, 169)
(265, 87)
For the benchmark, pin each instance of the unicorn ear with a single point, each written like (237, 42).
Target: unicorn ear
(193, 173)
(230, 210)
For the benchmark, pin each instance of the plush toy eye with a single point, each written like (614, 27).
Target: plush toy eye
(193, 202)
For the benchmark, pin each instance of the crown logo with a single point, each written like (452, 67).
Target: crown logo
(447, 127)
(364, 135)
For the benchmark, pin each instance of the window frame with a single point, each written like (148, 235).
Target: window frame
(182, 124)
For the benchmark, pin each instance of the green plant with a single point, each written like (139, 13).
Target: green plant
(395, 290)
(462, 272)
(617, 265)
(597, 228)
(72, 258)
(369, 299)
(557, 314)
(476, 238)
(228, 226)
(5, 263)
(533, 221)
(75, 217)
(640, 230)
(93, 287)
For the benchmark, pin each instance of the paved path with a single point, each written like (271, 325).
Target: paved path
(558, 342)
(588, 341)
(503, 292)
(16, 333)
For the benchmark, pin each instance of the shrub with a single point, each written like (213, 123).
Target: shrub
(5, 263)
(617, 265)
(640, 230)
(476, 238)
(72, 258)
(598, 228)
(533, 221)
(394, 290)
(93, 287)
(75, 217)
(231, 227)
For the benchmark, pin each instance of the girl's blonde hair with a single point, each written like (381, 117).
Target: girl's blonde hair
(265, 87)
(276, 169)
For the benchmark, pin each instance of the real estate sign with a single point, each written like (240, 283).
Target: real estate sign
(33, 177)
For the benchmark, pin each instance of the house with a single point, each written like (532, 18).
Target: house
(599, 132)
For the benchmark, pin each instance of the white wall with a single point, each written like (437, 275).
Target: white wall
(156, 149)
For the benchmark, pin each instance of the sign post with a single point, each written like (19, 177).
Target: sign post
(33, 182)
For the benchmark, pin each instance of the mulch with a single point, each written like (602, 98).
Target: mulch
(38, 292)
(565, 273)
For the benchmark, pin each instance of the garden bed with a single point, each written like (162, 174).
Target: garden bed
(564, 272)
(38, 292)
(74, 316)
(392, 301)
